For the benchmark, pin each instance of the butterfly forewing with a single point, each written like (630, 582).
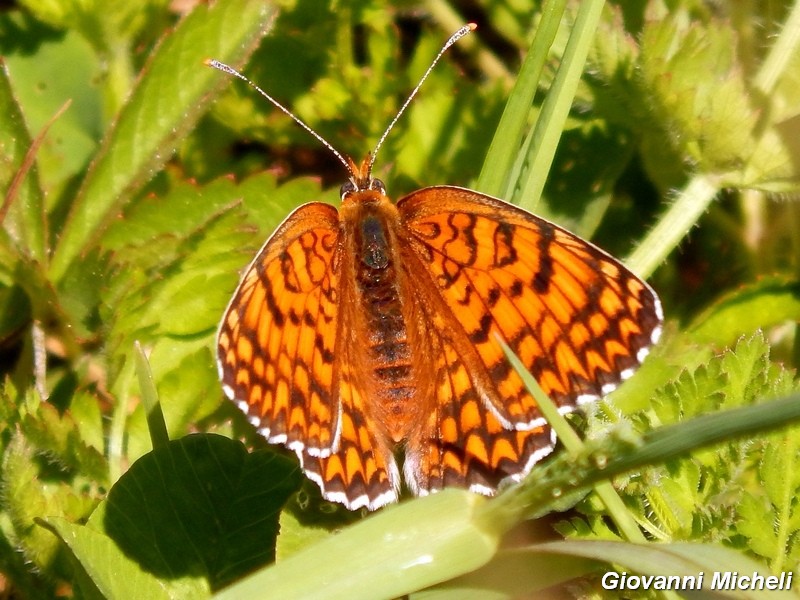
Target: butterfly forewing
(579, 320)
(286, 357)
(277, 341)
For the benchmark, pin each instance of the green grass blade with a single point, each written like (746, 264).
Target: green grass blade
(152, 405)
(525, 186)
(508, 136)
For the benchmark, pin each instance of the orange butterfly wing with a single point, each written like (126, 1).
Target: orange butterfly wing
(578, 319)
(285, 357)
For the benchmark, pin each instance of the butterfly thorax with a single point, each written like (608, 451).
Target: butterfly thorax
(371, 223)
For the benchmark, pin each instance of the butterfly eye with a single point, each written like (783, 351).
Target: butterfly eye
(348, 187)
(378, 186)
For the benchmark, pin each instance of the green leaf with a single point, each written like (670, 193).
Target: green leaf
(23, 213)
(186, 238)
(781, 485)
(771, 166)
(167, 101)
(30, 490)
(59, 436)
(763, 304)
(696, 91)
(41, 89)
(512, 573)
(110, 573)
(401, 549)
(200, 506)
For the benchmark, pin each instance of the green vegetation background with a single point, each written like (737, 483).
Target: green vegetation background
(128, 216)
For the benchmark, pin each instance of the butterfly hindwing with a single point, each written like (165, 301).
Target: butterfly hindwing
(361, 470)
(460, 441)
(277, 339)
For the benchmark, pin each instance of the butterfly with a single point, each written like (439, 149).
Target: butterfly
(369, 332)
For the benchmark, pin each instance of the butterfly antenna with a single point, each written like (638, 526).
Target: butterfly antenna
(231, 71)
(453, 39)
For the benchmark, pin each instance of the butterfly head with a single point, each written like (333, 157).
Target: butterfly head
(361, 179)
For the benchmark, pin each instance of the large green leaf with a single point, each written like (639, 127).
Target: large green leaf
(171, 94)
(200, 507)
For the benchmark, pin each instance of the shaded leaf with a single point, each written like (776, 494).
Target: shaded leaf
(200, 507)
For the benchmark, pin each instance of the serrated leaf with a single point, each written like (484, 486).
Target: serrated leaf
(201, 506)
(697, 90)
(612, 60)
(748, 370)
(187, 209)
(165, 104)
(673, 509)
(29, 492)
(186, 239)
(692, 392)
(85, 411)
(59, 437)
(781, 485)
(750, 524)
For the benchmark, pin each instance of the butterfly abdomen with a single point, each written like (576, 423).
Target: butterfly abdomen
(378, 290)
